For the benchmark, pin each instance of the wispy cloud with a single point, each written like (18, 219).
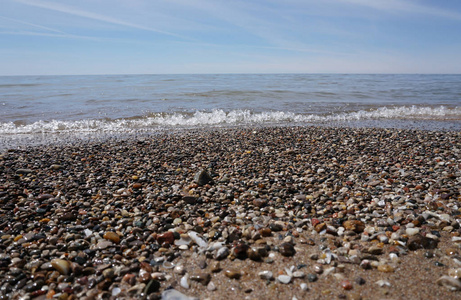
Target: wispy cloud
(95, 16)
(32, 25)
(406, 6)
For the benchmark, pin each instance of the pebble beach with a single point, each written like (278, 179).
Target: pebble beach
(235, 213)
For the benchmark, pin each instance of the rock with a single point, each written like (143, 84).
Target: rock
(61, 265)
(354, 225)
(375, 250)
(267, 275)
(385, 268)
(411, 231)
(258, 202)
(112, 236)
(233, 274)
(173, 294)
(211, 286)
(222, 253)
(346, 284)
(103, 244)
(284, 279)
(254, 254)
(23, 171)
(202, 177)
(166, 238)
(287, 249)
(240, 250)
(421, 242)
(203, 278)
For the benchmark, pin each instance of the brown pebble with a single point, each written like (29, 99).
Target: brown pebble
(385, 268)
(346, 284)
(232, 274)
(203, 278)
(112, 236)
(354, 225)
(265, 232)
(287, 249)
(166, 238)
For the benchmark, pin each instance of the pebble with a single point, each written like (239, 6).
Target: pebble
(112, 236)
(266, 275)
(284, 279)
(232, 274)
(61, 265)
(287, 249)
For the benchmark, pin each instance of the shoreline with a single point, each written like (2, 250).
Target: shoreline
(347, 207)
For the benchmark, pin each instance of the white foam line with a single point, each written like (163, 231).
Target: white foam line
(220, 117)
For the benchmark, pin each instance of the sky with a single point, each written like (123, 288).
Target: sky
(46, 37)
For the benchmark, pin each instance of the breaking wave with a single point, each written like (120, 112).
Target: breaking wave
(220, 117)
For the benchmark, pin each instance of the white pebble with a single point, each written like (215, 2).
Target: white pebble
(184, 282)
(411, 231)
(266, 275)
(284, 279)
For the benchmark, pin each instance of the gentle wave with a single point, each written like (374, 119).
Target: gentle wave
(220, 117)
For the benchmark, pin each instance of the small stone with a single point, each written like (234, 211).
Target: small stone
(215, 267)
(346, 284)
(232, 274)
(103, 244)
(418, 241)
(222, 253)
(354, 225)
(202, 177)
(360, 281)
(385, 268)
(137, 185)
(211, 286)
(267, 275)
(259, 202)
(253, 254)
(383, 283)
(166, 238)
(299, 274)
(240, 250)
(112, 236)
(318, 269)
(411, 231)
(61, 265)
(151, 287)
(184, 281)
(284, 279)
(108, 273)
(203, 278)
(304, 286)
(265, 232)
(23, 171)
(312, 277)
(287, 249)
(375, 250)
(172, 294)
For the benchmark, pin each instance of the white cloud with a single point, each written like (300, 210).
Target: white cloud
(94, 16)
(406, 6)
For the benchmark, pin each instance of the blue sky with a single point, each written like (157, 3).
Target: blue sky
(229, 36)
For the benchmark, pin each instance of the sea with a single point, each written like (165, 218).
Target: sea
(47, 109)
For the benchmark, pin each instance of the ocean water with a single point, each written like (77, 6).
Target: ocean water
(38, 108)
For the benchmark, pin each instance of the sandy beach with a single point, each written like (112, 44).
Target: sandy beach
(260, 213)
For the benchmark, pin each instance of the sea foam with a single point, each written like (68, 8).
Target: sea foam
(220, 117)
